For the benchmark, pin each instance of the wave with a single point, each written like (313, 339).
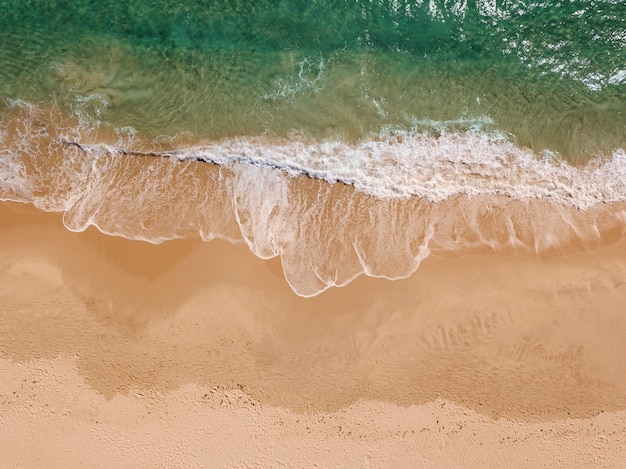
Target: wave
(415, 194)
(401, 165)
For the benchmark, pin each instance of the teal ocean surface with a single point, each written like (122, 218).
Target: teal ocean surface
(450, 124)
(551, 75)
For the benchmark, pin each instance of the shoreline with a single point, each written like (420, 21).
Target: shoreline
(388, 165)
(514, 349)
(456, 313)
(312, 234)
(279, 214)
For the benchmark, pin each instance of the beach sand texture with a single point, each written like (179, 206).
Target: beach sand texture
(200, 355)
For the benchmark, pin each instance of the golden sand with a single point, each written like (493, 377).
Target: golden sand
(193, 354)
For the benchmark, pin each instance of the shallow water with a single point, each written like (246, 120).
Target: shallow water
(459, 125)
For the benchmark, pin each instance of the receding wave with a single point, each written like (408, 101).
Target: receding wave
(414, 194)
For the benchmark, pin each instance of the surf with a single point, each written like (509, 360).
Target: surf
(331, 211)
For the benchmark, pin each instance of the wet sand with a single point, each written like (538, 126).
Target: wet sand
(199, 354)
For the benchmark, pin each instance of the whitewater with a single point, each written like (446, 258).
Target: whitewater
(331, 210)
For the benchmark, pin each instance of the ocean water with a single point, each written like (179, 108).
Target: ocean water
(347, 137)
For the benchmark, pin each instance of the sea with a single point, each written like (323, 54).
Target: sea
(346, 137)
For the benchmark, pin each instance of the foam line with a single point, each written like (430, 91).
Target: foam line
(402, 166)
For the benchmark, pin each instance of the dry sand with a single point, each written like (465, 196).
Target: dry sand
(192, 354)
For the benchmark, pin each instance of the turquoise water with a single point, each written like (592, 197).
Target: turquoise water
(547, 75)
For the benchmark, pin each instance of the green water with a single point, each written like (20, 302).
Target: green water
(549, 76)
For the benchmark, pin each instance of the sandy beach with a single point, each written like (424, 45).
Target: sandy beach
(312, 234)
(194, 354)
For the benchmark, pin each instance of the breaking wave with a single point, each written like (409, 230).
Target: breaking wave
(413, 194)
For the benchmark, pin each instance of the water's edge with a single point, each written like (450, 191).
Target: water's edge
(412, 195)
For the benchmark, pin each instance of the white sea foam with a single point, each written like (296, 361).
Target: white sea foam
(397, 164)
(392, 164)
(404, 165)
